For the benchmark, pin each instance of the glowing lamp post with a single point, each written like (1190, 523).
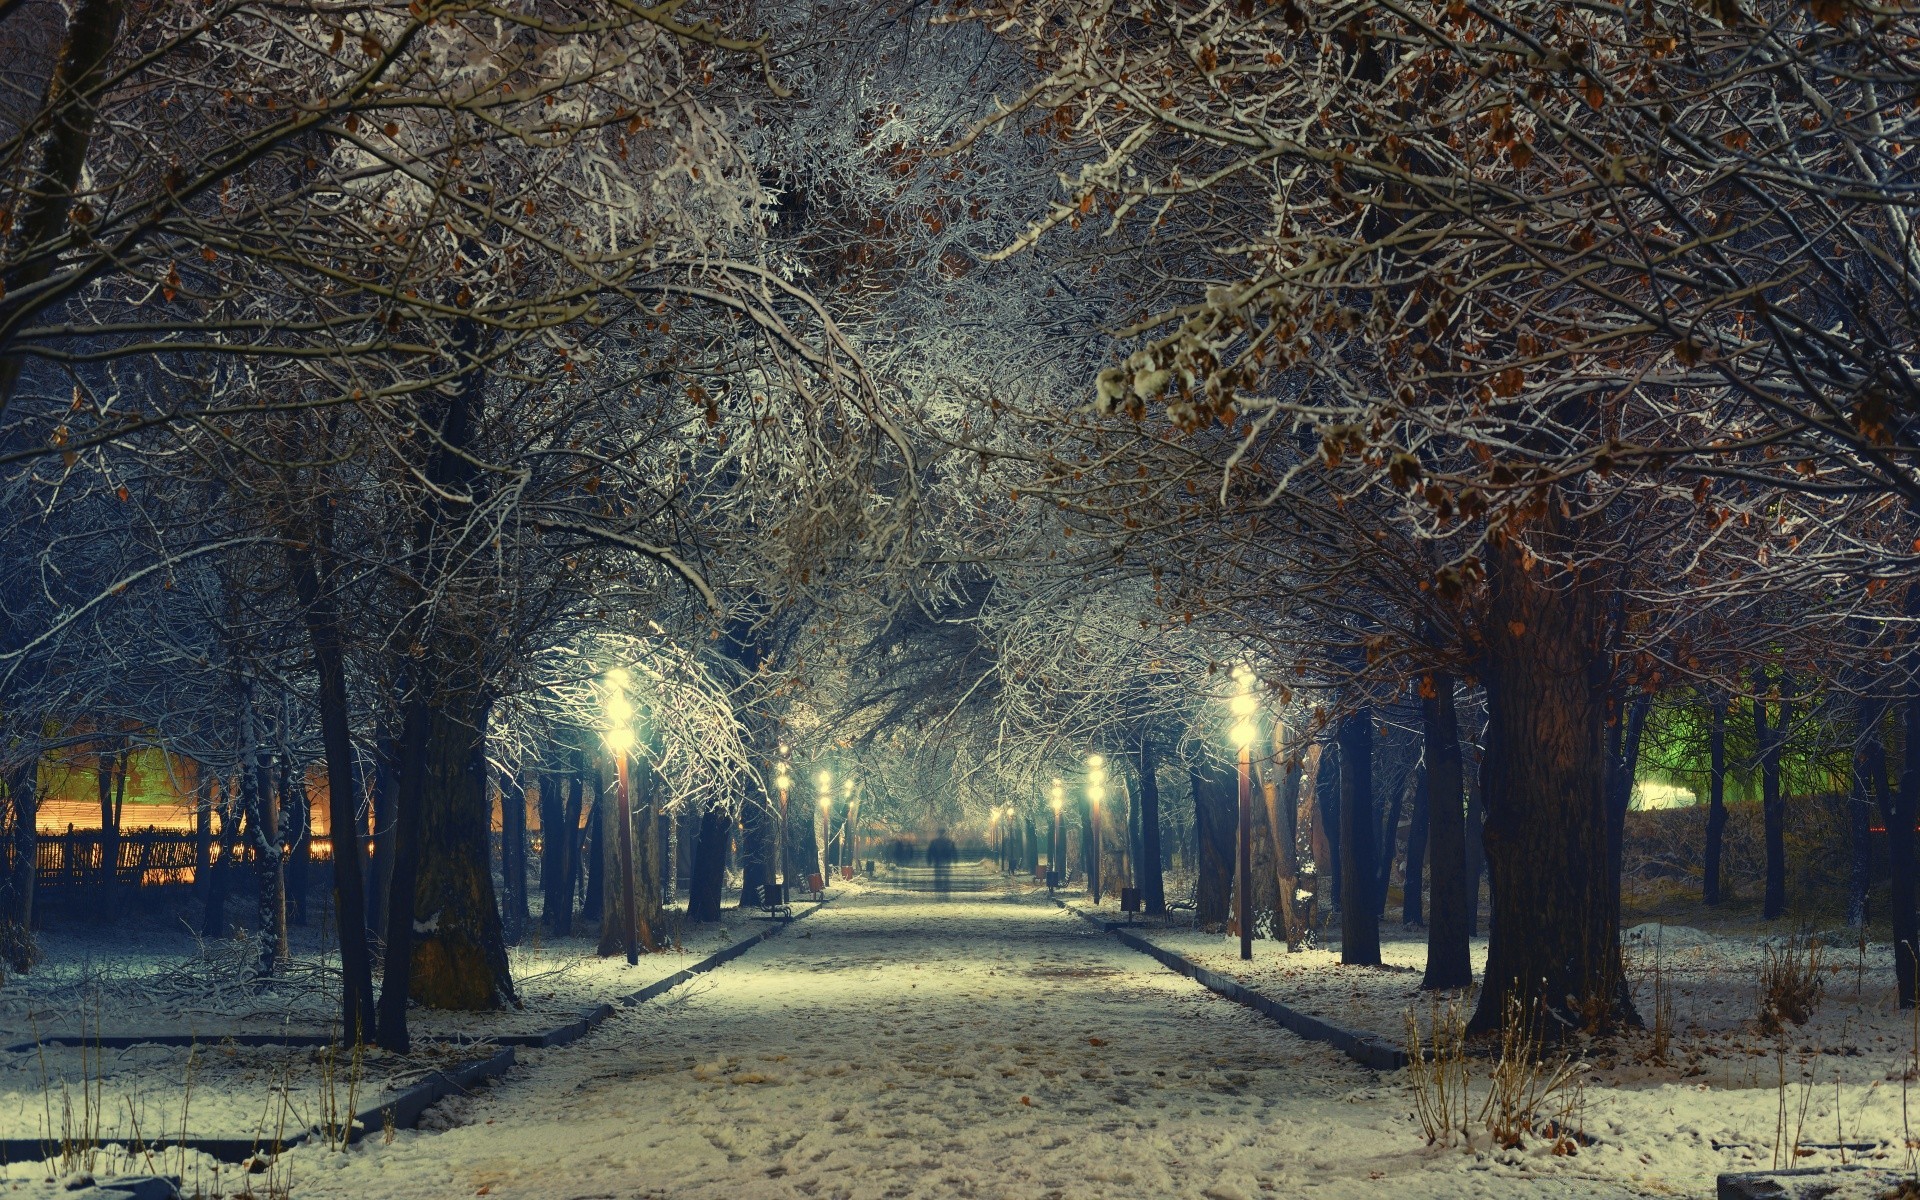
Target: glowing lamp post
(823, 790)
(1053, 846)
(846, 824)
(620, 740)
(1243, 734)
(1096, 792)
(781, 780)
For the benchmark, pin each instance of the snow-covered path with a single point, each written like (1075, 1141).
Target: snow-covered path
(895, 1045)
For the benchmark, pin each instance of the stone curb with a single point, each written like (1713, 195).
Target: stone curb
(404, 1107)
(1369, 1050)
(1799, 1183)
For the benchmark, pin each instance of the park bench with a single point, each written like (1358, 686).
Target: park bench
(817, 886)
(773, 901)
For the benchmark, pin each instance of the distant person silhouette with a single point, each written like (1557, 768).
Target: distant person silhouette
(940, 856)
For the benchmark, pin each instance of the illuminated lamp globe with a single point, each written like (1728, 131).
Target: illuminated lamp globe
(620, 739)
(618, 710)
(1243, 705)
(618, 677)
(1243, 734)
(824, 780)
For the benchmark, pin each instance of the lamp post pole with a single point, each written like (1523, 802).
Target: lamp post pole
(1243, 706)
(781, 780)
(628, 913)
(1096, 792)
(620, 740)
(1053, 843)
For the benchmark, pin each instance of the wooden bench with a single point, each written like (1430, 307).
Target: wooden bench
(773, 901)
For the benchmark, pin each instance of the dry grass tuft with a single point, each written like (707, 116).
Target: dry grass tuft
(1790, 984)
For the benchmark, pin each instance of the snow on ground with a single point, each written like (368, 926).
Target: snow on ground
(898, 1045)
(153, 980)
(1726, 1096)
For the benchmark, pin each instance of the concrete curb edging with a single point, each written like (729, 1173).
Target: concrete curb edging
(1798, 1183)
(403, 1108)
(1366, 1049)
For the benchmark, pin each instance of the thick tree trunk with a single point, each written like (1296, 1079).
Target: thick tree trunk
(203, 803)
(648, 796)
(1359, 919)
(263, 819)
(459, 958)
(595, 859)
(1263, 899)
(1554, 941)
(708, 886)
(109, 833)
(1449, 957)
(1716, 802)
(1214, 831)
(756, 846)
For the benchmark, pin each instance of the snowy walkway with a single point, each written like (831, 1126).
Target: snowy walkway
(899, 1045)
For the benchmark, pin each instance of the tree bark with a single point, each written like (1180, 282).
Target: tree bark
(1449, 955)
(329, 660)
(16, 939)
(1412, 909)
(1359, 920)
(459, 958)
(1716, 802)
(1554, 941)
(513, 854)
(708, 885)
(1283, 802)
(263, 818)
(1621, 768)
(1326, 795)
(69, 108)
(1388, 845)
(1152, 882)
(1214, 831)
(1476, 786)
(1899, 806)
(220, 876)
(386, 790)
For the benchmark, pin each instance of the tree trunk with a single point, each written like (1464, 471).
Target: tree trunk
(1622, 765)
(1359, 920)
(70, 105)
(16, 923)
(1554, 942)
(386, 790)
(1153, 884)
(329, 660)
(263, 818)
(1716, 802)
(1283, 803)
(109, 834)
(459, 959)
(513, 854)
(1412, 911)
(709, 881)
(596, 858)
(1898, 809)
(410, 754)
(220, 876)
(1476, 786)
(1263, 899)
(756, 845)
(1326, 796)
(1389, 844)
(1215, 826)
(1771, 737)
(1867, 715)
(648, 796)
(1449, 956)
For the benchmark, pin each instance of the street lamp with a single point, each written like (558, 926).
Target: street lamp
(1096, 792)
(846, 823)
(1243, 705)
(823, 790)
(1053, 846)
(620, 740)
(782, 780)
